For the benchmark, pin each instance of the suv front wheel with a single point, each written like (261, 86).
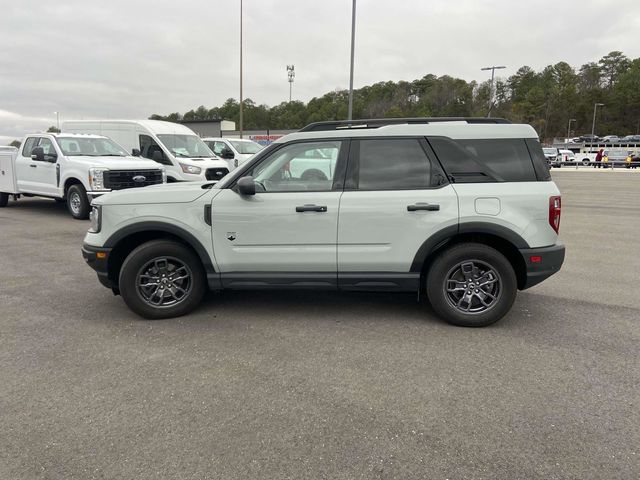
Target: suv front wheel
(162, 279)
(471, 285)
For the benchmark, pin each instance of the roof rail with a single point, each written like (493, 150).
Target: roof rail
(381, 122)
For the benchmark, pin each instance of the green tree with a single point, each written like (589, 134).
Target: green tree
(15, 143)
(53, 129)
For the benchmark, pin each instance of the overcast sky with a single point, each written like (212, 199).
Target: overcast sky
(132, 58)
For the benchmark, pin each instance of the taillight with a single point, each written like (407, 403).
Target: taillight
(555, 204)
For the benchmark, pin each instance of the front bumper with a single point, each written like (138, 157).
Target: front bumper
(541, 263)
(98, 259)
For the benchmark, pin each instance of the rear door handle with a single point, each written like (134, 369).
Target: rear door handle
(432, 207)
(33, 166)
(311, 208)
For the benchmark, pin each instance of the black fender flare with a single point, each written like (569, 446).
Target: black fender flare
(179, 232)
(443, 236)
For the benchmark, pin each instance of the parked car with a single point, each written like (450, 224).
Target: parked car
(611, 139)
(72, 168)
(564, 157)
(589, 138)
(550, 153)
(235, 151)
(428, 206)
(184, 155)
(630, 139)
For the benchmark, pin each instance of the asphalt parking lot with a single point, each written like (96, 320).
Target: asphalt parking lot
(305, 385)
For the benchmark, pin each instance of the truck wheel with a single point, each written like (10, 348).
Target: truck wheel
(78, 202)
(4, 199)
(162, 279)
(471, 285)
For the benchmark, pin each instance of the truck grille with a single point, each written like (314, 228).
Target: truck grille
(121, 179)
(215, 173)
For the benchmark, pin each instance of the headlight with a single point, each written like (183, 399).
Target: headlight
(164, 174)
(95, 219)
(96, 178)
(190, 169)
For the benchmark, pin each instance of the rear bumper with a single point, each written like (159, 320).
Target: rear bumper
(98, 262)
(541, 263)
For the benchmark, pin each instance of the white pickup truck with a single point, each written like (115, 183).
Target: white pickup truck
(72, 168)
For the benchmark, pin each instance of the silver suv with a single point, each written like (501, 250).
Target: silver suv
(463, 210)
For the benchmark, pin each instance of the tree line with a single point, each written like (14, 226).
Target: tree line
(546, 99)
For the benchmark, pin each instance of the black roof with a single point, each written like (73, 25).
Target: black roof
(381, 122)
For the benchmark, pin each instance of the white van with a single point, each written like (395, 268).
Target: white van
(184, 155)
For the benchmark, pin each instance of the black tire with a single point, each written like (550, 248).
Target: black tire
(78, 202)
(4, 199)
(487, 266)
(139, 265)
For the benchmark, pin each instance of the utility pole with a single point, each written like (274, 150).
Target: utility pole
(569, 128)
(493, 72)
(593, 125)
(291, 73)
(353, 41)
(241, 101)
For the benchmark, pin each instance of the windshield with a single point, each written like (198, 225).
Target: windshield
(186, 146)
(90, 147)
(550, 150)
(249, 147)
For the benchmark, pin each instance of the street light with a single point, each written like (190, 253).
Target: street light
(291, 73)
(353, 41)
(593, 125)
(240, 69)
(493, 72)
(57, 120)
(569, 128)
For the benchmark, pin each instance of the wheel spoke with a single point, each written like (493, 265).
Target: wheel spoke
(472, 286)
(164, 282)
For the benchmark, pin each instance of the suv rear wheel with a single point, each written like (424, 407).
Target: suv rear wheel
(162, 279)
(471, 285)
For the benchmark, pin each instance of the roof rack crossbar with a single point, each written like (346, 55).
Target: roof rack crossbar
(381, 122)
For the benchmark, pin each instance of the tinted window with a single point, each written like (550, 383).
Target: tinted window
(392, 164)
(493, 160)
(28, 146)
(148, 146)
(539, 160)
(299, 167)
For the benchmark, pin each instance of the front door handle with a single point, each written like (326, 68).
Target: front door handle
(311, 208)
(33, 166)
(431, 207)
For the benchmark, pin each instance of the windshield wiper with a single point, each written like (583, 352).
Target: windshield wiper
(109, 155)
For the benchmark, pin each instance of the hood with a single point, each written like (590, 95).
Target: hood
(183, 192)
(117, 163)
(203, 162)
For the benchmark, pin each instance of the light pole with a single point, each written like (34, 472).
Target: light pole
(241, 69)
(569, 128)
(493, 72)
(593, 125)
(57, 120)
(291, 73)
(353, 41)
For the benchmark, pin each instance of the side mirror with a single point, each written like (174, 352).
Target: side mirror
(135, 152)
(227, 154)
(157, 156)
(37, 154)
(51, 158)
(246, 186)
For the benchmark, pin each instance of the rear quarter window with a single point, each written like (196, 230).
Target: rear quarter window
(485, 160)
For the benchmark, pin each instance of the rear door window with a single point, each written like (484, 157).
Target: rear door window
(390, 164)
(488, 160)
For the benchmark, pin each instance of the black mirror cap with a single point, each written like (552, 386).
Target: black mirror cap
(51, 158)
(246, 186)
(158, 156)
(227, 154)
(135, 152)
(37, 154)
